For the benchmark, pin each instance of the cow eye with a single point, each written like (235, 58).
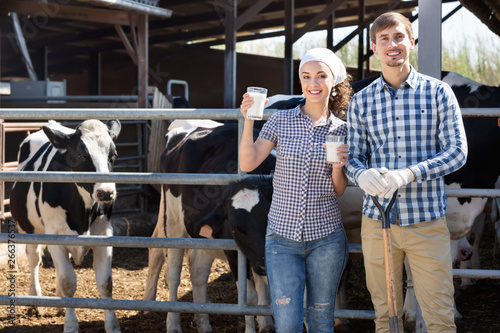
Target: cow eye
(80, 157)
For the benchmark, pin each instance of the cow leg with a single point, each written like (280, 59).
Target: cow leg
(474, 262)
(33, 252)
(200, 263)
(102, 267)
(66, 280)
(156, 258)
(410, 302)
(262, 288)
(411, 309)
(252, 299)
(173, 279)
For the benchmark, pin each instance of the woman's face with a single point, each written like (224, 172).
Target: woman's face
(317, 81)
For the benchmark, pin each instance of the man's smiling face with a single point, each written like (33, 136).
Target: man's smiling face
(393, 46)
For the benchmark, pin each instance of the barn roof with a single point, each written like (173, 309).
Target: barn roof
(61, 34)
(488, 11)
(68, 30)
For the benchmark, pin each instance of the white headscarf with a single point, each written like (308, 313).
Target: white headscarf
(330, 59)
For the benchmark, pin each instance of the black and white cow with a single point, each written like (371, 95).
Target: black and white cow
(68, 208)
(241, 214)
(201, 146)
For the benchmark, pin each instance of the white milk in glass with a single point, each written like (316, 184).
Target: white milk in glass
(259, 95)
(332, 143)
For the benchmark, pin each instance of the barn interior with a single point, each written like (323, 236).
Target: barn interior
(113, 54)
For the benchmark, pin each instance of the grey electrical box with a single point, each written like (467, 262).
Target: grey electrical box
(38, 88)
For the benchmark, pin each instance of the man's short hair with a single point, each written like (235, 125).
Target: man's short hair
(388, 20)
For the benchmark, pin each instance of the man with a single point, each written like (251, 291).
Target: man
(405, 133)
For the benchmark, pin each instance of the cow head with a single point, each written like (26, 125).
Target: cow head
(90, 148)
(242, 215)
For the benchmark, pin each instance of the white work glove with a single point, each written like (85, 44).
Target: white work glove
(372, 182)
(396, 179)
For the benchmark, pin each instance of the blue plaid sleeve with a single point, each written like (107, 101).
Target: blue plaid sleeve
(270, 130)
(451, 137)
(358, 148)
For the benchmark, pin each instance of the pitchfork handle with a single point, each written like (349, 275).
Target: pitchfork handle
(389, 269)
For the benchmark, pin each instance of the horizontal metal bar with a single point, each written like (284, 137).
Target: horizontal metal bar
(480, 112)
(120, 177)
(355, 314)
(122, 304)
(157, 306)
(164, 114)
(476, 273)
(130, 241)
(174, 179)
(188, 307)
(473, 192)
(128, 98)
(121, 241)
(355, 248)
(124, 114)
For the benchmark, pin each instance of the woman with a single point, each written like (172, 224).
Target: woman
(306, 246)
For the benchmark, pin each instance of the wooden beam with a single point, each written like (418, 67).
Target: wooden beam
(230, 55)
(143, 61)
(136, 7)
(330, 26)
(132, 30)
(130, 50)
(361, 39)
(250, 12)
(75, 13)
(329, 9)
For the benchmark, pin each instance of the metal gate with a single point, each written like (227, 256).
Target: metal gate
(160, 178)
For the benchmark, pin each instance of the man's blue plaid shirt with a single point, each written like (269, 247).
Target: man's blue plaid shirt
(304, 205)
(418, 126)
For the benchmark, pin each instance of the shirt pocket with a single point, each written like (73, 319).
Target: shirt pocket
(318, 151)
(290, 146)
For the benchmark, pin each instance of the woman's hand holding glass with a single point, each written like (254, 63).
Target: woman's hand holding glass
(246, 103)
(343, 154)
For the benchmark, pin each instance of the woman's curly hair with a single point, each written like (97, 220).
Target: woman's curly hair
(340, 97)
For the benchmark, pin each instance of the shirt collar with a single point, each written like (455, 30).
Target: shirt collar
(298, 111)
(411, 80)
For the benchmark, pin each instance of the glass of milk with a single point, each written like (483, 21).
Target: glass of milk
(332, 143)
(256, 111)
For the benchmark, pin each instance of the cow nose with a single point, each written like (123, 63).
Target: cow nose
(465, 255)
(104, 195)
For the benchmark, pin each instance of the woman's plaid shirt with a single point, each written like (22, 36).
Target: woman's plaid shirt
(304, 205)
(418, 126)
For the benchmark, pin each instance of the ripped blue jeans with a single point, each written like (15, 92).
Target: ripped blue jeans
(293, 266)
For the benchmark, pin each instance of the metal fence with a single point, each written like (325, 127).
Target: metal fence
(160, 178)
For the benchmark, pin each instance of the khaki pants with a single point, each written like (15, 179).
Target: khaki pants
(427, 246)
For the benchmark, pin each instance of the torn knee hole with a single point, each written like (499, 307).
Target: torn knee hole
(320, 306)
(283, 301)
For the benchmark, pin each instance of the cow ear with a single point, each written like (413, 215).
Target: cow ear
(212, 223)
(114, 128)
(58, 139)
(206, 231)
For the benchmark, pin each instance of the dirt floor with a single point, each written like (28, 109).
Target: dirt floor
(479, 305)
